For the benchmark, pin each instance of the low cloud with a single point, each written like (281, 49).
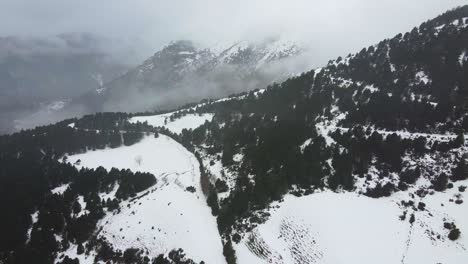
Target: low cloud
(331, 28)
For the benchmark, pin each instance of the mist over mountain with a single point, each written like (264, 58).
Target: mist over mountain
(41, 74)
(180, 73)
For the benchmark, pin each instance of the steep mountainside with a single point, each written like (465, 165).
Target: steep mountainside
(364, 160)
(182, 72)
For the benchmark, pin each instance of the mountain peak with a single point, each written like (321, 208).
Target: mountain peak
(259, 52)
(180, 45)
(183, 64)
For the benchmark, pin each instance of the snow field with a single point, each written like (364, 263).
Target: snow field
(166, 216)
(330, 227)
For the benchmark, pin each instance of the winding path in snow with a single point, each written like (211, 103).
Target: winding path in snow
(168, 217)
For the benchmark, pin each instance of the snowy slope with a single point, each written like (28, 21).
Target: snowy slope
(258, 54)
(332, 227)
(184, 72)
(168, 216)
(189, 121)
(328, 231)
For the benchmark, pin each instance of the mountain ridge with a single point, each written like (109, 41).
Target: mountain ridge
(182, 63)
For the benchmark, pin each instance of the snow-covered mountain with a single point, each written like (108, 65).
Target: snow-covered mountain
(184, 68)
(180, 73)
(364, 160)
(255, 55)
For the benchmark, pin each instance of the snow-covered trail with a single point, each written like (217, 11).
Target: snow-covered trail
(326, 128)
(168, 217)
(403, 134)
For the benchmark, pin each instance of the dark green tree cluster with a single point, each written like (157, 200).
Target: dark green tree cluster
(30, 168)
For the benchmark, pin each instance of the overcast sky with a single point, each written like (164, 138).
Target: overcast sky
(331, 27)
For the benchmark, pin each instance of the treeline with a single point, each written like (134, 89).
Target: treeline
(30, 168)
(57, 140)
(25, 185)
(111, 122)
(108, 254)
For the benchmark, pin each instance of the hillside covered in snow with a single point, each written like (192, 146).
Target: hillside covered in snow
(171, 214)
(364, 160)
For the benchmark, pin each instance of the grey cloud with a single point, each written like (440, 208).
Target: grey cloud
(330, 28)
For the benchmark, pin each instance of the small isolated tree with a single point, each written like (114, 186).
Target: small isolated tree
(454, 234)
(460, 172)
(190, 189)
(138, 160)
(412, 219)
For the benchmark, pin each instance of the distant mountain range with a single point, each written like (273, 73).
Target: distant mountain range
(179, 73)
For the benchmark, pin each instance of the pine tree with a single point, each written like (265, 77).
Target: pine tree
(461, 171)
